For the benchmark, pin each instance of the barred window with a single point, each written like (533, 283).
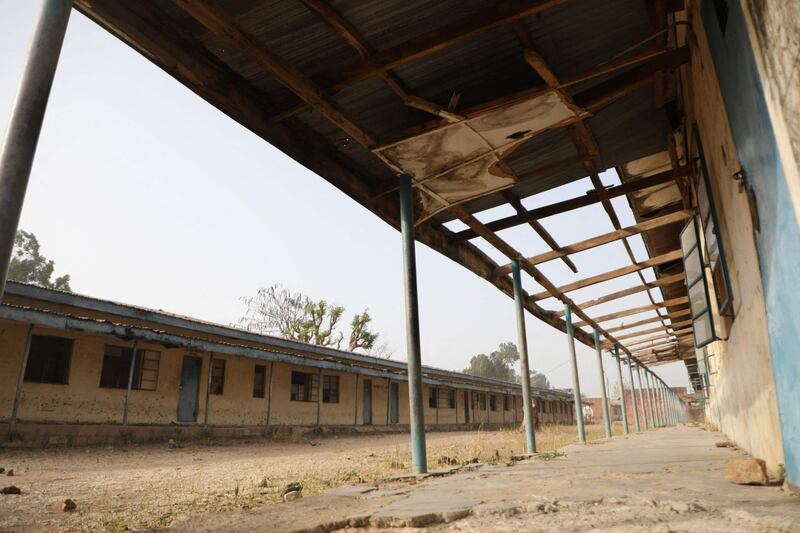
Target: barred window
(305, 387)
(506, 403)
(48, 360)
(217, 384)
(259, 381)
(330, 389)
(117, 366)
(433, 395)
(482, 400)
(493, 402)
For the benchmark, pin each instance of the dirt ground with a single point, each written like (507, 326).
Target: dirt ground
(144, 486)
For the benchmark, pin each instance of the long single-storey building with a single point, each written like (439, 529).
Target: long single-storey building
(77, 369)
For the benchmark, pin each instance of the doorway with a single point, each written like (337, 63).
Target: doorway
(190, 387)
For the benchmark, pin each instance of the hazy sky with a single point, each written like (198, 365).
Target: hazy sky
(148, 195)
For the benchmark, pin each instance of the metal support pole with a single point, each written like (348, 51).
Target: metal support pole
(130, 385)
(623, 402)
(649, 395)
(269, 391)
(665, 404)
(603, 392)
(522, 339)
(576, 384)
(319, 396)
(634, 403)
(355, 410)
(22, 370)
(208, 387)
(18, 145)
(641, 398)
(416, 413)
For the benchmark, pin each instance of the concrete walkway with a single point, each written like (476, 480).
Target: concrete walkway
(665, 480)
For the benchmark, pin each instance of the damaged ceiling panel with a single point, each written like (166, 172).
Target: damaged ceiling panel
(462, 161)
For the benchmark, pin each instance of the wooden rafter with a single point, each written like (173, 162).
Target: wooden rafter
(650, 340)
(350, 34)
(637, 310)
(468, 26)
(659, 282)
(659, 329)
(606, 238)
(591, 197)
(616, 273)
(671, 315)
(515, 202)
(503, 247)
(224, 26)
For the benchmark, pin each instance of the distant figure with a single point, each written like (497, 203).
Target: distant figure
(588, 414)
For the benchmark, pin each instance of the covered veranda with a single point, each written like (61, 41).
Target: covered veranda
(436, 116)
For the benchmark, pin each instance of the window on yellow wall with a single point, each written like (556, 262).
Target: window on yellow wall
(451, 398)
(304, 387)
(482, 400)
(330, 389)
(506, 403)
(48, 360)
(493, 402)
(432, 397)
(116, 369)
(259, 381)
(217, 383)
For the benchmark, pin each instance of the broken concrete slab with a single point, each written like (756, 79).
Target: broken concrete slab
(351, 490)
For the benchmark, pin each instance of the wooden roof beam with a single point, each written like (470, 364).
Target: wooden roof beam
(636, 310)
(659, 282)
(509, 251)
(591, 197)
(672, 316)
(350, 34)
(224, 26)
(642, 342)
(612, 274)
(515, 202)
(468, 26)
(580, 246)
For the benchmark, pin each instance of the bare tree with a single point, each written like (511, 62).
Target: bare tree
(278, 311)
(360, 335)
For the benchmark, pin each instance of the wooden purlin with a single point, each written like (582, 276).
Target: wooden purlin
(591, 197)
(348, 32)
(612, 274)
(515, 202)
(659, 282)
(671, 316)
(509, 251)
(219, 23)
(636, 310)
(606, 238)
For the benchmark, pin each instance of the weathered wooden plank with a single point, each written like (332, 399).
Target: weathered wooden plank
(591, 197)
(636, 310)
(215, 20)
(660, 282)
(672, 316)
(616, 273)
(672, 218)
(465, 27)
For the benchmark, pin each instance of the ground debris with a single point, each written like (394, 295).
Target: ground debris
(10, 472)
(724, 444)
(294, 486)
(68, 505)
(746, 471)
(10, 490)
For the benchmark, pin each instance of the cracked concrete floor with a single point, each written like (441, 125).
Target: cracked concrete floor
(670, 479)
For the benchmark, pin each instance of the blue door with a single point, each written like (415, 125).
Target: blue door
(190, 387)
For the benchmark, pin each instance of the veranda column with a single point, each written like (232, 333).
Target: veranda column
(634, 403)
(416, 414)
(18, 145)
(603, 392)
(641, 398)
(650, 403)
(522, 339)
(623, 402)
(576, 384)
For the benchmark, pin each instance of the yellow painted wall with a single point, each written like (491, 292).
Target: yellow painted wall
(743, 400)
(12, 348)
